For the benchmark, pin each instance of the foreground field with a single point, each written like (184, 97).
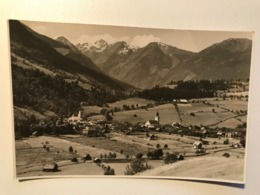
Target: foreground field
(30, 155)
(207, 167)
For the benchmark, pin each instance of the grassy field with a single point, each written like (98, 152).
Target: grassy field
(231, 104)
(207, 167)
(218, 114)
(167, 112)
(30, 155)
(131, 101)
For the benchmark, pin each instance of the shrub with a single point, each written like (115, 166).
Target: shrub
(226, 155)
(200, 151)
(226, 142)
(74, 160)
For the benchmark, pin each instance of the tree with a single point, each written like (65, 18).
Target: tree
(70, 149)
(127, 156)
(243, 142)
(139, 156)
(109, 171)
(107, 116)
(165, 146)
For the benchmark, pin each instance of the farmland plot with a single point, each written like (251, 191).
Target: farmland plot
(131, 101)
(167, 112)
(231, 104)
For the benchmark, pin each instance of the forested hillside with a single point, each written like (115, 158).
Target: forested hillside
(41, 92)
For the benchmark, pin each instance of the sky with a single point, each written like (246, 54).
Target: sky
(190, 40)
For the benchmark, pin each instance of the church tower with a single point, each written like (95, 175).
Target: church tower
(157, 117)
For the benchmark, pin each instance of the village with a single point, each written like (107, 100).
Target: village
(116, 138)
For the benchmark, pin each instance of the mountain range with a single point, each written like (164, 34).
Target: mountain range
(158, 63)
(122, 66)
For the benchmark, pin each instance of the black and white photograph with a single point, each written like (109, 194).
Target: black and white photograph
(117, 101)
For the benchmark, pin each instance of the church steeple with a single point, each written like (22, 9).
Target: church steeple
(157, 117)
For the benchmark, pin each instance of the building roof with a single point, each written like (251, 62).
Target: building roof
(197, 143)
(154, 122)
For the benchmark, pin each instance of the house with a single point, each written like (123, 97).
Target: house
(152, 137)
(204, 133)
(152, 124)
(197, 145)
(228, 135)
(92, 131)
(236, 145)
(219, 133)
(183, 101)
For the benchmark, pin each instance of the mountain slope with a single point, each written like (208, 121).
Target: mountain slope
(229, 59)
(31, 45)
(71, 51)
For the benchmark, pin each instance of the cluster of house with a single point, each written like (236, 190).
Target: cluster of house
(85, 127)
(100, 127)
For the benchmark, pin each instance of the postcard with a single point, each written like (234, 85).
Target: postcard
(114, 101)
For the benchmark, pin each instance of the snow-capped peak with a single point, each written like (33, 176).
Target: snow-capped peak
(127, 48)
(97, 46)
(84, 46)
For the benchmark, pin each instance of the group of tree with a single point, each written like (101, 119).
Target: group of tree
(30, 125)
(184, 90)
(155, 154)
(137, 166)
(108, 156)
(172, 157)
